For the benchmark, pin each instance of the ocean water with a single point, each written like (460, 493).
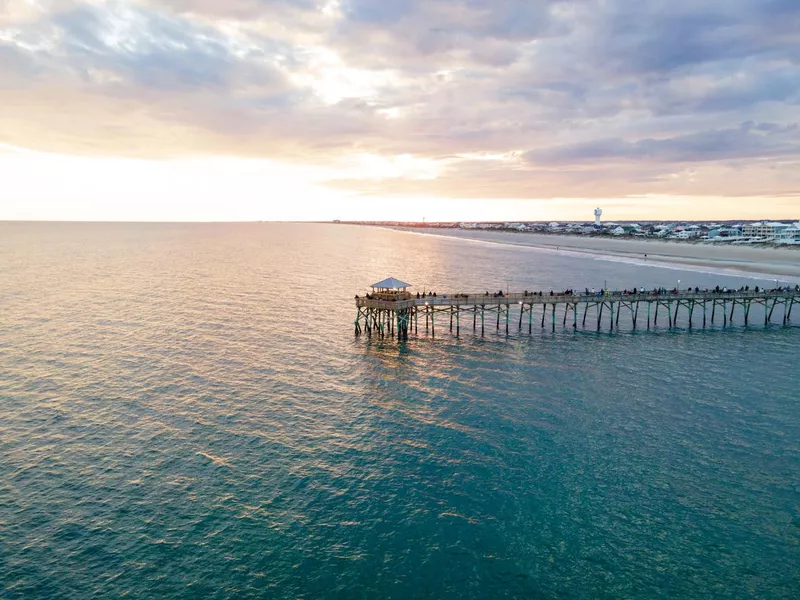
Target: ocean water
(186, 413)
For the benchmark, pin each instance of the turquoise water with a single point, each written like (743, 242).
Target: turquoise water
(185, 413)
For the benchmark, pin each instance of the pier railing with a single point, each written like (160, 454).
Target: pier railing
(480, 299)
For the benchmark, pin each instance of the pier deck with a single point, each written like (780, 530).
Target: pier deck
(402, 316)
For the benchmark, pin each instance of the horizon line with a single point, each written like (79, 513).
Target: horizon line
(375, 221)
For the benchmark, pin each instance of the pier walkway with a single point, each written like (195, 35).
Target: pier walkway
(389, 312)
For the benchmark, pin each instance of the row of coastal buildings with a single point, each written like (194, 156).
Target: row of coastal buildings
(771, 231)
(762, 232)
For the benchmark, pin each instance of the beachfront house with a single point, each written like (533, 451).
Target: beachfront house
(764, 230)
(722, 234)
(664, 230)
(790, 235)
(516, 226)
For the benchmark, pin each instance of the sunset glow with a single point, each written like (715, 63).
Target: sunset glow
(198, 110)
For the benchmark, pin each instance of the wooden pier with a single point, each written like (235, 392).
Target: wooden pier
(390, 312)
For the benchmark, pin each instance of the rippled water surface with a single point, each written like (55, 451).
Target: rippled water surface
(185, 413)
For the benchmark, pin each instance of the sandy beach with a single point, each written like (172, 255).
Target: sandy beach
(777, 263)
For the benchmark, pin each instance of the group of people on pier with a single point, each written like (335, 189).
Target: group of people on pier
(552, 293)
(392, 298)
(659, 291)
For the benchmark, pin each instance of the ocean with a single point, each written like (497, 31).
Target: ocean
(185, 412)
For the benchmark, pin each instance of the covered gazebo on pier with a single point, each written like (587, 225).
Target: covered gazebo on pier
(390, 289)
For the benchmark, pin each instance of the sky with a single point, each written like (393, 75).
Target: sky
(239, 110)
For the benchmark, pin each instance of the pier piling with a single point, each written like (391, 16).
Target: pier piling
(391, 316)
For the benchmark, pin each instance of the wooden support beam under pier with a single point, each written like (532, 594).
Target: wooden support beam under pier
(396, 317)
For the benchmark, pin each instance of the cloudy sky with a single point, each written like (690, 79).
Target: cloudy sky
(399, 109)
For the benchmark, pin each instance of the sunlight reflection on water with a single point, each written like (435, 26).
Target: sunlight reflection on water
(185, 411)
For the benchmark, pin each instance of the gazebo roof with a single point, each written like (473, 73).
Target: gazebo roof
(390, 284)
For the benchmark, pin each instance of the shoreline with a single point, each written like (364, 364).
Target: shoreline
(762, 263)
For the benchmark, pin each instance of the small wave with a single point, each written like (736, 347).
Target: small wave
(217, 460)
(455, 515)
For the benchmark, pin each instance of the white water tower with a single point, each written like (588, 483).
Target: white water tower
(597, 214)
